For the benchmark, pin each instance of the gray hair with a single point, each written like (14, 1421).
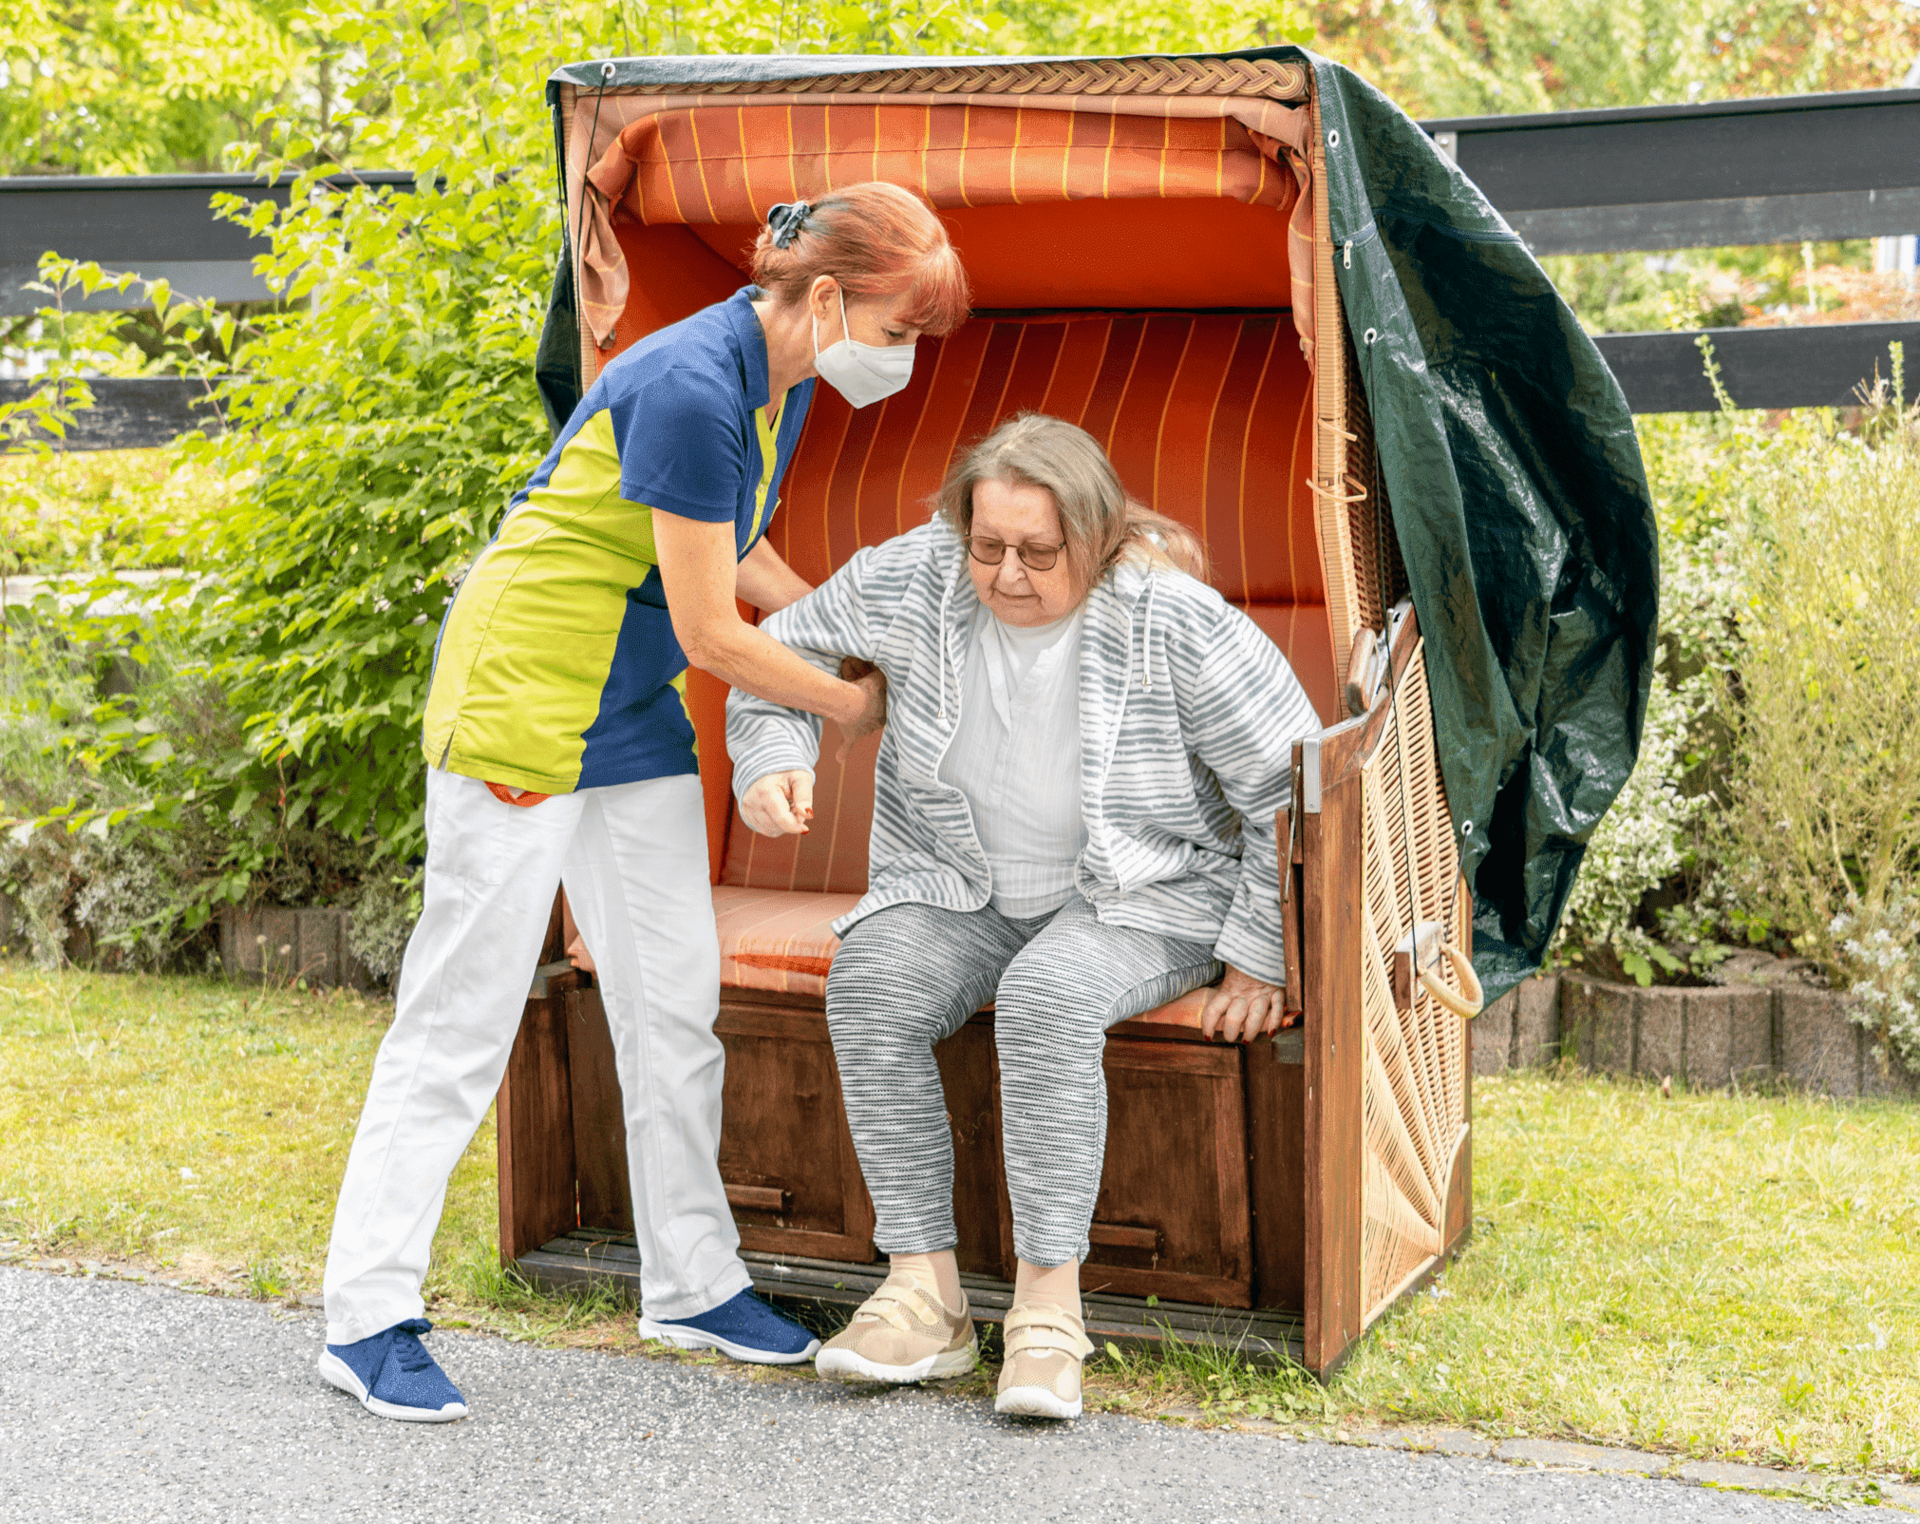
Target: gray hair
(1098, 521)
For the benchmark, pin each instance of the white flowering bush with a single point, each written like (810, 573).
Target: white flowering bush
(1880, 955)
(382, 919)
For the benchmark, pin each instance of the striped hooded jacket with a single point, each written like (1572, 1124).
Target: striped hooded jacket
(1188, 717)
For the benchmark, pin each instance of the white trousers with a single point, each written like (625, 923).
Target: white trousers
(634, 861)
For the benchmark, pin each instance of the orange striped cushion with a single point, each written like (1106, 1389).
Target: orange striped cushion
(772, 939)
(783, 941)
(732, 164)
(1207, 417)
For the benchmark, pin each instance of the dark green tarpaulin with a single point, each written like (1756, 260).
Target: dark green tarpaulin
(1521, 506)
(1514, 474)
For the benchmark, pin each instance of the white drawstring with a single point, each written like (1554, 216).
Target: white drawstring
(1146, 637)
(946, 592)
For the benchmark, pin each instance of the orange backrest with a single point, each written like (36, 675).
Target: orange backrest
(1207, 413)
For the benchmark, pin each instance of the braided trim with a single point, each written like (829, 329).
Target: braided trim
(1271, 79)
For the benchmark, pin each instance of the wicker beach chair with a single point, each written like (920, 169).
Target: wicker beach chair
(1153, 250)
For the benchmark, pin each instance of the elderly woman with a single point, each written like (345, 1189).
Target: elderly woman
(1073, 818)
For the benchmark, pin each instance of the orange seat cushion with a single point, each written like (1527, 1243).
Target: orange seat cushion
(782, 940)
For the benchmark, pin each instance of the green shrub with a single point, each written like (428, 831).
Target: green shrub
(382, 418)
(1822, 815)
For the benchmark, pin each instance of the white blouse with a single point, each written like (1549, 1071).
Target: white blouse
(1015, 755)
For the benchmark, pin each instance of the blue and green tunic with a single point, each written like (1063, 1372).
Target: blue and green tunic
(557, 667)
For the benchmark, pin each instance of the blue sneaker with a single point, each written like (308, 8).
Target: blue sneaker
(393, 1375)
(744, 1328)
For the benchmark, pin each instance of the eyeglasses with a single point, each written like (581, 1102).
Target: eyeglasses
(991, 552)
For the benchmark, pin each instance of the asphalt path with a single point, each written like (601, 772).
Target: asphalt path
(123, 1402)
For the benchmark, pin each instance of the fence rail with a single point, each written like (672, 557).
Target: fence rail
(1725, 173)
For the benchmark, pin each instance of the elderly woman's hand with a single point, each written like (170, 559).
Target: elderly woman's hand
(780, 804)
(1242, 1008)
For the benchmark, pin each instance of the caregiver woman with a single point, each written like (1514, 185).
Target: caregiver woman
(560, 751)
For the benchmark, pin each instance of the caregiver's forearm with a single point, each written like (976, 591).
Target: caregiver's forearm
(697, 567)
(755, 663)
(766, 582)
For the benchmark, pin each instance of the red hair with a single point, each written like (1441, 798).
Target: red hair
(875, 239)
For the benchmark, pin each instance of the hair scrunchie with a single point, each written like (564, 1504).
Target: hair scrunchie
(785, 220)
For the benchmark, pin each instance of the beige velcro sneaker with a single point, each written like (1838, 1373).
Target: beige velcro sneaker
(1041, 1378)
(900, 1334)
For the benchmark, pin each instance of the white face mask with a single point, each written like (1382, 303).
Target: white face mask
(862, 373)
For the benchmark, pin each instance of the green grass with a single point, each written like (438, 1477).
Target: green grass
(1709, 1275)
(193, 1124)
(1719, 1276)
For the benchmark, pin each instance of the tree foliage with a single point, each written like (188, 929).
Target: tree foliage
(1474, 57)
(106, 87)
(384, 413)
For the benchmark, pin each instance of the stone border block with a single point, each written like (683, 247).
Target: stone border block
(315, 943)
(1729, 1036)
(1660, 1043)
(1461, 1442)
(317, 951)
(1536, 1022)
(1818, 1046)
(1597, 1020)
(1730, 1474)
(1491, 1033)
(1555, 1452)
(1885, 1079)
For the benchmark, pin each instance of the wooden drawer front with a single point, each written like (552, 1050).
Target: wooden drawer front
(1172, 1217)
(785, 1152)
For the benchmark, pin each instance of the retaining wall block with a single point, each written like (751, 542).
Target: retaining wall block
(317, 953)
(1660, 1046)
(1729, 1036)
(1817, 1046)
(1579, 1003)
(280, 953)
(1753, 1053)
(1614, 1009)
(1491, 1033)
(1536, 1022)
(315, 943)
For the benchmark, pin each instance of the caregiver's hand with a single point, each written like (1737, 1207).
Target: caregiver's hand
(1243, 1008)
(871, 681)
(780, 804)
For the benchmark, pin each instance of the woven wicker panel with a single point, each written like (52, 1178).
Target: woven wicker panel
(1073, 76)
(1379, 575)
(1331, 399)
(1414, 1080)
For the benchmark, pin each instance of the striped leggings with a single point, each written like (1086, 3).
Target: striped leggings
(910, 975)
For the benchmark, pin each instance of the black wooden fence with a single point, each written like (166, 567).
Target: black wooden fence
(1638, 178)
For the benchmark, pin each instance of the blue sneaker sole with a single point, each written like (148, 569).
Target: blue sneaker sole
(337, 1372)
(685, 1336)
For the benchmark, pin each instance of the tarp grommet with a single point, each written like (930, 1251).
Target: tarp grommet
(1372, 334)
(1466, 828)
(1333, 138)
